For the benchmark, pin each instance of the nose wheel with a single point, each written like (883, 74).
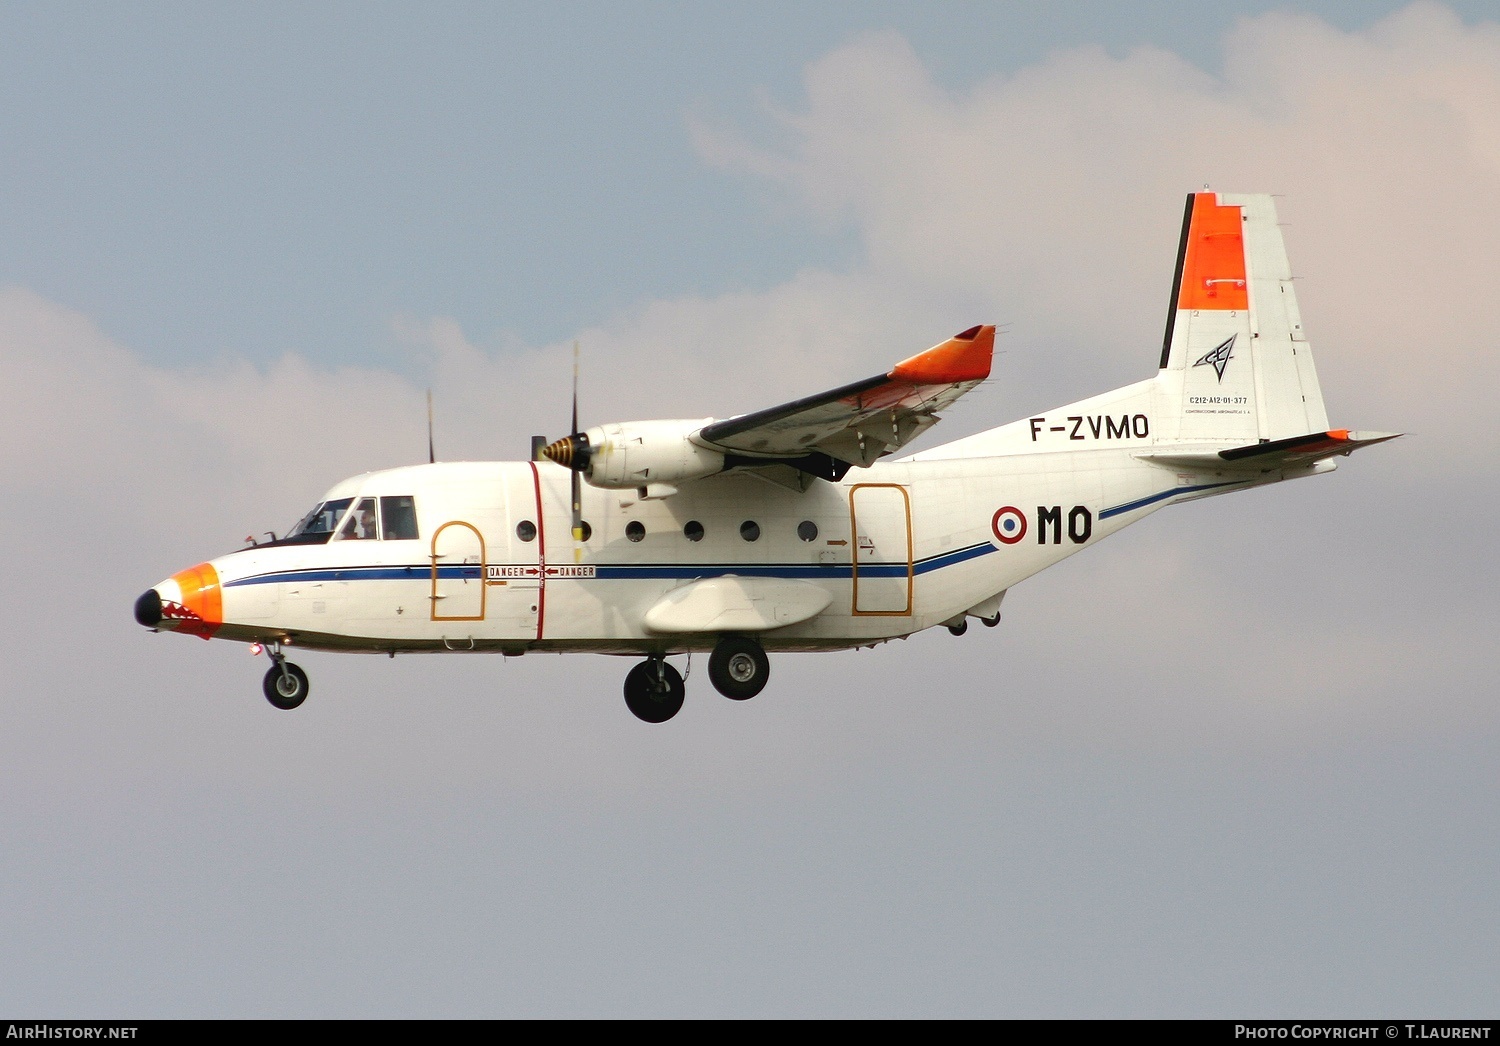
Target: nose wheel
(653, 691)
(285, 685)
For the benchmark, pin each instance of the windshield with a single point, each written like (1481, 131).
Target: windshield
(321, 520)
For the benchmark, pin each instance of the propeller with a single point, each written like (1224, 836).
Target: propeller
(573, 453)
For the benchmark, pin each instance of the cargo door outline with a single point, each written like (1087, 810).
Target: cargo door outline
(880, 530)
(458, 576)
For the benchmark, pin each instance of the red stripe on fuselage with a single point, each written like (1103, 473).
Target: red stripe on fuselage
(541, 553)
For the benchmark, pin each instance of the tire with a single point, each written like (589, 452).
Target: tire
(738, 668)
(652, 698)
(285, 689)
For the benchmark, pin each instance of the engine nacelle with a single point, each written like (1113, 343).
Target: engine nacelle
(648, 453)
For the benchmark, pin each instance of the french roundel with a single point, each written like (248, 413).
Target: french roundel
(1009, 525)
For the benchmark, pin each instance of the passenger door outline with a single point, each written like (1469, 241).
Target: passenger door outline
(456, 584)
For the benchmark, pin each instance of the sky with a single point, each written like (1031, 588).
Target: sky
(1239, 762)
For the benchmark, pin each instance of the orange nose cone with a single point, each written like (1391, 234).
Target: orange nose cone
(201, 610)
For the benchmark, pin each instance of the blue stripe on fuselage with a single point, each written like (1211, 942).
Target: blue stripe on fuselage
(1174, 492)
(628, 571)
(401, 573)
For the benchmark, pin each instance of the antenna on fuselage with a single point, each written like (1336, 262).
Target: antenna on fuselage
(431, 454)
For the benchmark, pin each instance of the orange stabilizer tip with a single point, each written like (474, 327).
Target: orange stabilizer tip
(964, 357)
(201, 595)
(1340, 434)
(1213, 272)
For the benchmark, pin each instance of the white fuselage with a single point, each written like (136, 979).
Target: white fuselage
(896, 548)
(789, 528)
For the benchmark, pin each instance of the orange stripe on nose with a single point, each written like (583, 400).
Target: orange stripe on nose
(201, 595)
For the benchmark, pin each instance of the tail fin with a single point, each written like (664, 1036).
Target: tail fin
(1235, 362)
(1237, 389)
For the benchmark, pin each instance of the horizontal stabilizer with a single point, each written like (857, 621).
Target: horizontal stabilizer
(1274, 456)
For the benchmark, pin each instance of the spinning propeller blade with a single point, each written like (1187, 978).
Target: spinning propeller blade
(572, 452)
(577, 472)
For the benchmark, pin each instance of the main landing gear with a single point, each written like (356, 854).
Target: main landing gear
(654, 690)
(285, 684)
(738, 669)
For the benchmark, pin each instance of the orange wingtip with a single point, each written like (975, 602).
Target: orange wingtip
(1339, 434)
(963, 357)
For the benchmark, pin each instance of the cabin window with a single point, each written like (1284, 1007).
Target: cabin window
(634, 530)
(807, 530)
(526, 530)
(362, 524)
(322, 519)
(398, 517)
(750, 530)
(693, 530)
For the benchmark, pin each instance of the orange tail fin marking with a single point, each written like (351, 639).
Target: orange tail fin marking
(1213, 274)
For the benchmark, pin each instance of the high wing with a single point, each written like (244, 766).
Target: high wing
(795, 444)
(858, 423)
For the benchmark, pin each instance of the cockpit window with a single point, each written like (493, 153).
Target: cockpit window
(362, 524)
(321, 520)
(400, 517)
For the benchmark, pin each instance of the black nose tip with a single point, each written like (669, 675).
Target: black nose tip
(148, 608)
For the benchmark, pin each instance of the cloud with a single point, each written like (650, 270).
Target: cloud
(1052, 195)
(1217, 749)
(1049, 198)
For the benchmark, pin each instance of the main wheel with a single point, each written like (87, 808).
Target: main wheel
(654, 691)
(738, 668)
(286, 686)
(960, 628)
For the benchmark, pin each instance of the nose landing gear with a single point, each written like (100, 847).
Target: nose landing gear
(285, 684)
(654, 691)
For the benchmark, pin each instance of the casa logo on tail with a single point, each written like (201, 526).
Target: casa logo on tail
(1219, 358)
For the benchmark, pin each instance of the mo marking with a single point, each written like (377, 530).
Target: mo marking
(1010, 525)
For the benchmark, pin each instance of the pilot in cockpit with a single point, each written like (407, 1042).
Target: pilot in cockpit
(361, 524)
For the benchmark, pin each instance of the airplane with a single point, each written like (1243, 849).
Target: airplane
(790, 528)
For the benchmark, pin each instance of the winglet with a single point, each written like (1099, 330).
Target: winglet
(963, 357)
